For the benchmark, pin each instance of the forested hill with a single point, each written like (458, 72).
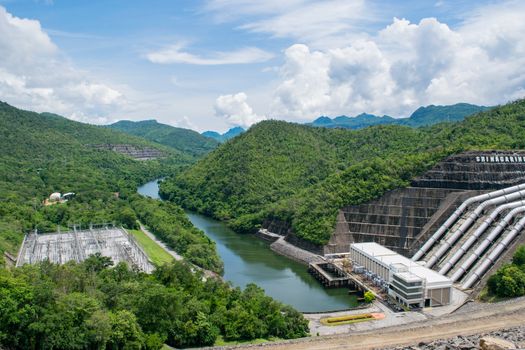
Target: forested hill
(184, 140)
(89, 305)
(45, 153)
(40, 152)
(303, 175)
(423, 116)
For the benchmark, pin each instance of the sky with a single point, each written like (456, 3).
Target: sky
(215, 64)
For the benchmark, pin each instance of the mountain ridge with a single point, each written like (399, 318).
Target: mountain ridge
(303, 175)
(184, 140)
(422, 116)
(231, 133)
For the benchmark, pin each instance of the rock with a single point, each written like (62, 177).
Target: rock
(492, 343)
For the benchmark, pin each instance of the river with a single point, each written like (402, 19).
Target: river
(248, 259)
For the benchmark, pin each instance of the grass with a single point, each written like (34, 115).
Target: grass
(221, 342)
(486, 297)
(10, 241)
(155, 252)
(337, 321)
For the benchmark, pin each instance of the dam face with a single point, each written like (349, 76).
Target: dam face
(403, 219)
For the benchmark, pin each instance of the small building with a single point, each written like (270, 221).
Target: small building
(409, 283)
(55, 197)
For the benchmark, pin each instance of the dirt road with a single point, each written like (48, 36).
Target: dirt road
(487, 318)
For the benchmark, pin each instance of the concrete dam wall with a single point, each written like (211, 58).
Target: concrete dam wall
(403, 219)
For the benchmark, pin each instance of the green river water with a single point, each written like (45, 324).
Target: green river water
(248, 259)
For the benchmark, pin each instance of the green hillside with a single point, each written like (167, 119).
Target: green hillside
(45, 153)
(430, 115)
(303, 175)
(88, 305)
(184, 140)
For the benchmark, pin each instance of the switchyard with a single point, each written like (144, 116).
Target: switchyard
(77, 245)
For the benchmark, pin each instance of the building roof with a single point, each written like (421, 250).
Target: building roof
(373, 249)
(409, 277)
(392, 260)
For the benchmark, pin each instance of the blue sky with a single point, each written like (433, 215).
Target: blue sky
(220, 63)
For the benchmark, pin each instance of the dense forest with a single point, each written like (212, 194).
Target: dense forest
(184, 140)
(303, 175)
(92, 306)
(88, 305)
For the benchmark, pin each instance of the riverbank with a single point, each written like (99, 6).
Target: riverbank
(281, 246)
(287, 249)
(248, 259)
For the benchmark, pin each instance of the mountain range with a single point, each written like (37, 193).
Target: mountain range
(226, 136)
(423, 116)
(184, 140)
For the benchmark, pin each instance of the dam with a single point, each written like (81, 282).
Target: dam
(459, 218)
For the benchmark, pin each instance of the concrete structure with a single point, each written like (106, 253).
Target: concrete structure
(408, 283)
(330, 275)
(404, 219)
(135, 152)
(75, 245)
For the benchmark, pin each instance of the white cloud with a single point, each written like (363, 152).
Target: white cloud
(406, 65)
(185, 123)
(236, 110)
(317, 23)
(175, 54)
(35, 75)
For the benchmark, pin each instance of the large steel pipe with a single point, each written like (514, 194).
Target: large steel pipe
(457, 214)
(486, 242)
(470, 220)
(477, 233)
(494, 255)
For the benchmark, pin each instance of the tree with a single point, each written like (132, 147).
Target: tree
(125, 331)
(507, 287)
(128, 218)
(519, 257)
(99, 329)
(369, 297)
(97, 262)
(16, 312)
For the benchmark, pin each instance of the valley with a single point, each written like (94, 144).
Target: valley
(250, 260)
(233, 174)
(299, 185)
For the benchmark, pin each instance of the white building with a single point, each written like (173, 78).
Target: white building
(408, 282)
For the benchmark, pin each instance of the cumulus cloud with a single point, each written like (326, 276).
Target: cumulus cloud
(406, 65)
(175, 54)
(35, 75)
(236, 110)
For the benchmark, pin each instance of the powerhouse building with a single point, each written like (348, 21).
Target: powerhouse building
(408, 283)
